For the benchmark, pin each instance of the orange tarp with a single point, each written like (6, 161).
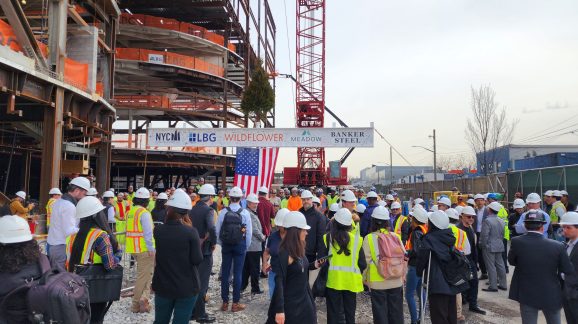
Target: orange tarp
(75, 73)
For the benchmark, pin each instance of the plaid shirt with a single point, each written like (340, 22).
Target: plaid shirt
(103, 247)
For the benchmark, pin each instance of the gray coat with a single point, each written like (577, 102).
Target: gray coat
(492, 235)
(257, 237)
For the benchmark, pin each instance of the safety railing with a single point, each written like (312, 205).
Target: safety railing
(172, 24)
(166, 103)
(151, 56)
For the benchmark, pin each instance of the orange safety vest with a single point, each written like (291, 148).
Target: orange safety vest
(408, 245)
(135, 241)
(49, 204)
(88, 256)
(120, 210)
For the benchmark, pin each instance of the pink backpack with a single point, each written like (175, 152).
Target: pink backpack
(391, 262)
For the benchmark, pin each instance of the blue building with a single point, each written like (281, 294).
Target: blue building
(503, 159)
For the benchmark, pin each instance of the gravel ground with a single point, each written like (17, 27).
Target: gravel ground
(500, 309)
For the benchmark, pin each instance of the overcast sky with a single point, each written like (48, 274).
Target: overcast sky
(408, 67)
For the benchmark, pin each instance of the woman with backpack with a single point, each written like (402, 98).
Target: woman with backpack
(419, 220)
(386, 293)
(346, 263)
(91, 245)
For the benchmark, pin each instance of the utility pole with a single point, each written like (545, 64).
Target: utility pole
(391, 167)
(435, 155)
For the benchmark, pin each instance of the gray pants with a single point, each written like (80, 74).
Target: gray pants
(530, 315)
(57, 256)
(496, 269)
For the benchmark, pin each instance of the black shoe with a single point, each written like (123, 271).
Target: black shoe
(205, 319)
(490, 289)
(257, 292)
(477, 309)
(502, 288)
(464, 301)
(484, 276)
(263, 275)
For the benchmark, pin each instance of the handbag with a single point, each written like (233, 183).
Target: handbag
(320, 285)
(103, 285)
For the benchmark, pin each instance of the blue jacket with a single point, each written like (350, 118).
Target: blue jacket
(366, 220)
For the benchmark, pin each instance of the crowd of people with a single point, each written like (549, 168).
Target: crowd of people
(308, 243)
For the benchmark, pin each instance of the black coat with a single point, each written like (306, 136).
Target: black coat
(471, 234)
(538, 262)
(571, 280)
(178, 253)
(314, 240)
(439, 243)
(203, 218)
(415, 237)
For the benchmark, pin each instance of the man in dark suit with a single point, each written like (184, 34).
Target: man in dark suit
(538, 264)
(569, 224)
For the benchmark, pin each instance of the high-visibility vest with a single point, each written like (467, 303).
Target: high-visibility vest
(130, 196)
(121, 208)
(49, 204)
(460, 236)
(332, 200)
(398, 224)
(135, 241)
(343, 272)
(408, 245)
(151, 205)
(88, 256)
(503, 214)
(371, 271)
(553, 216)
(284, 202)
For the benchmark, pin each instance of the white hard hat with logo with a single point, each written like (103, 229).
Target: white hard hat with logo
(295, 219)
(452, 213)
(81, 182)
(389, 197)
(92, 192)
(439, 219)
(55, 191)
(236, 192)
(360, 208)
(14, 229)
(343, 217)
(162, 196)
(334, 207)
(445, 200)
(179, 199)
(395, 205)
(533, 198)
(570, 218)
(372, 194)
(469, 210)
(519, 203)
(207, 189)
(306, 194)
(380, 212)
(142, 193)
(280, 216)
(252, 198)
(88, 206)
(21, 194)
(263, 189)
(348, 195)
(108, 194)
(420, 214)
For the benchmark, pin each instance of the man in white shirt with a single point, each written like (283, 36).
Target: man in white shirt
(63, 220)
(480, 201)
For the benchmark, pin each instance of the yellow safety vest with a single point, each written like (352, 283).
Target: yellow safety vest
(120, 216)
(88, 256)
(49, 204)
(331, 201)
(151, 205)
(344, 273)
(135, 241)
(398, 224)
(130, 197)
(553, 216)
(503, 214)
(460, 236)
(371, 272)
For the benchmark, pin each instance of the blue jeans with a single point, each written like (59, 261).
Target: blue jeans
(182, 309)
(412, 287)
(271, 284)
(530, 315)
(232, 256)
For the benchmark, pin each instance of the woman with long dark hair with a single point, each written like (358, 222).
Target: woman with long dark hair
(159, 212)
(92, 245)
(272, 248)
(347, 262)
(292, 301)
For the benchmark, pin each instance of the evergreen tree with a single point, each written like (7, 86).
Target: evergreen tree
(259, 97)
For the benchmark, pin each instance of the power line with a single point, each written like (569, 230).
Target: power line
(537, 137)
(541, 133)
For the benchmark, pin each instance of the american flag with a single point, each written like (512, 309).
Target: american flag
(254, 168)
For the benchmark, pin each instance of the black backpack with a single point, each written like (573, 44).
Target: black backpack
(457, 271)
(232, 229)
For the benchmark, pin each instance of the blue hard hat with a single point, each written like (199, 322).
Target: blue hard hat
(493, 196)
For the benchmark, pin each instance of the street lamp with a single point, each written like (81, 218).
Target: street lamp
(434, 153)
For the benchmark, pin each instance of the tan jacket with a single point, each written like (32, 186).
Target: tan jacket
(378, 285)
(16, 208)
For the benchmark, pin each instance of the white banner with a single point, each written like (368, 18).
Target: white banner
(261, 137)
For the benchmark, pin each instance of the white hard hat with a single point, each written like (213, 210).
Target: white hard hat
(389, 197)
(533, 198)
(549, 193)
(471, 201)
(434, 208)
(236, 192)
(264, 190)
(111, 189)
(55, 191)
(382, 203)
(92, 192)
(360, 208)
(380, 212)
(344, 217)
(253, 198)
(452, 213)
(564, 192)
(445, 200)
(108, 194)
(459, 209)
(418, 201)
(316, 200)
(88, 206)
(557, 193)
(495, 206)
(479, 196)
(21, 194)
(81, 182)
(280, 216)
(207, 189)
(14, 229)
(519, 203)
(469, 210)
(439, 219)
(180, 199)
(395, 205)
(162, 196)
(295, 219)
(334, 207)
(570, 218)
(142, 193)
(420, 214)
(348, 195)
(372, 194)
(306, 194)
(486, 195)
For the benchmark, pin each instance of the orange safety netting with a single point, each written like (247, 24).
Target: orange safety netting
(172, 24)
(145, 55)
(76, 73)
